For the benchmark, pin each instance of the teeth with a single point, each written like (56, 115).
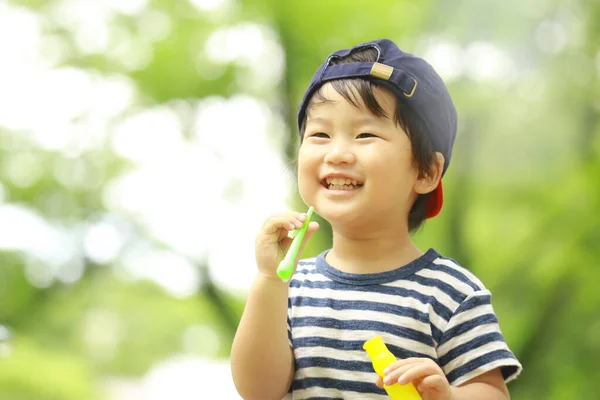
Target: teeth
(341, 181)
(341, 187)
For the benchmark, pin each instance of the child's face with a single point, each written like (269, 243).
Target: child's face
(355, 167)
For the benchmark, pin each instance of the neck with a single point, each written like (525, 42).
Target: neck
(372, 251)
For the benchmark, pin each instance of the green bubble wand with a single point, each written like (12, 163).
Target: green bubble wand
(286, 266)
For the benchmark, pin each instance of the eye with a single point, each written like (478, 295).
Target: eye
(319, 135)
(365, 136)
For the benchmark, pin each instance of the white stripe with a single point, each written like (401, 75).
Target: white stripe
(353, 376)
(455, 266)
(466, 337)
(320, 372)
(309, 260)
(470, 314)
(364, 315)
(327, 293)
(310, 263)
(473, 354)
(433, 291)
(446, 278)
(310, 276)
(336, 354)
(362, 335)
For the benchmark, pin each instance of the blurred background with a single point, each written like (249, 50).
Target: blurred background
(143, 142)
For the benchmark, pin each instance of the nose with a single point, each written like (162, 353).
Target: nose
(340, 153)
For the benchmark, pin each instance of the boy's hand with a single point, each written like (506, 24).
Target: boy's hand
(272, 241)
(424, 373)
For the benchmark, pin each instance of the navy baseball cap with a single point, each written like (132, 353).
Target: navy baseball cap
(413, 81)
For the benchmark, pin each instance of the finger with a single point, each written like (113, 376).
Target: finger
(417, 372)
(393, 376)
(286, 221)
(312, 227)
(396, 369)
(400, 363)
(287, 241)
(379, 382)
(432, 382)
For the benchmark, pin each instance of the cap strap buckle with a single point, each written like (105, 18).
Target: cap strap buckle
(384, 72)
(381, 71)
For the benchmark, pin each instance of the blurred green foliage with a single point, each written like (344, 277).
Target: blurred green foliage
(522, 193)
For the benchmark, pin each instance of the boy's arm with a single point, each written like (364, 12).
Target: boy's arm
(488, 386)
(262, 362)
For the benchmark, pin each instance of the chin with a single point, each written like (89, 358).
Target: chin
(339, 213)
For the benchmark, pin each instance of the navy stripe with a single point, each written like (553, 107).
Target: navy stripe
(473, 302)
(455, 273)
(352, 345)
(436, 333)
(362, 325)
(328, 383)
(480, 362)
(450, 290)
(402, 353)
(467, 326)
(300, 301)
(326, 362)
(438, 307)
(306, 271)
(470, 345)
(301, 264)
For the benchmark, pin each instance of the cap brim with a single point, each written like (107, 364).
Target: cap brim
(435, 202)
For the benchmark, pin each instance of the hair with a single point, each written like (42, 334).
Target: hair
(422, 148)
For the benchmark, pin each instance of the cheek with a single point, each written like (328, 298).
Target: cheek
(393, 172)
(307, 169)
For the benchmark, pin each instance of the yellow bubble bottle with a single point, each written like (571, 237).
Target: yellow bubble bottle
(381, 357)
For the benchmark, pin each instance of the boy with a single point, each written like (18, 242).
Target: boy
(377, 127)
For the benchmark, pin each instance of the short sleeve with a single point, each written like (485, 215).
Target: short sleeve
(472, 343)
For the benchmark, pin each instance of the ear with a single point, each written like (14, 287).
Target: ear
(428, 182)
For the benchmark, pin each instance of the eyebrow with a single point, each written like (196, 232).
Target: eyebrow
(320, 120)
(368, 120)
(358, 121)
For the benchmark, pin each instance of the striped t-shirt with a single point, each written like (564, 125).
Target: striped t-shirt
(431, 308)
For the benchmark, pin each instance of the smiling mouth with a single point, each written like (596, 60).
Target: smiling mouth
(341, 184)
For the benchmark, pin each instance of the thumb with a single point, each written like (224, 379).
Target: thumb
(313, 226)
